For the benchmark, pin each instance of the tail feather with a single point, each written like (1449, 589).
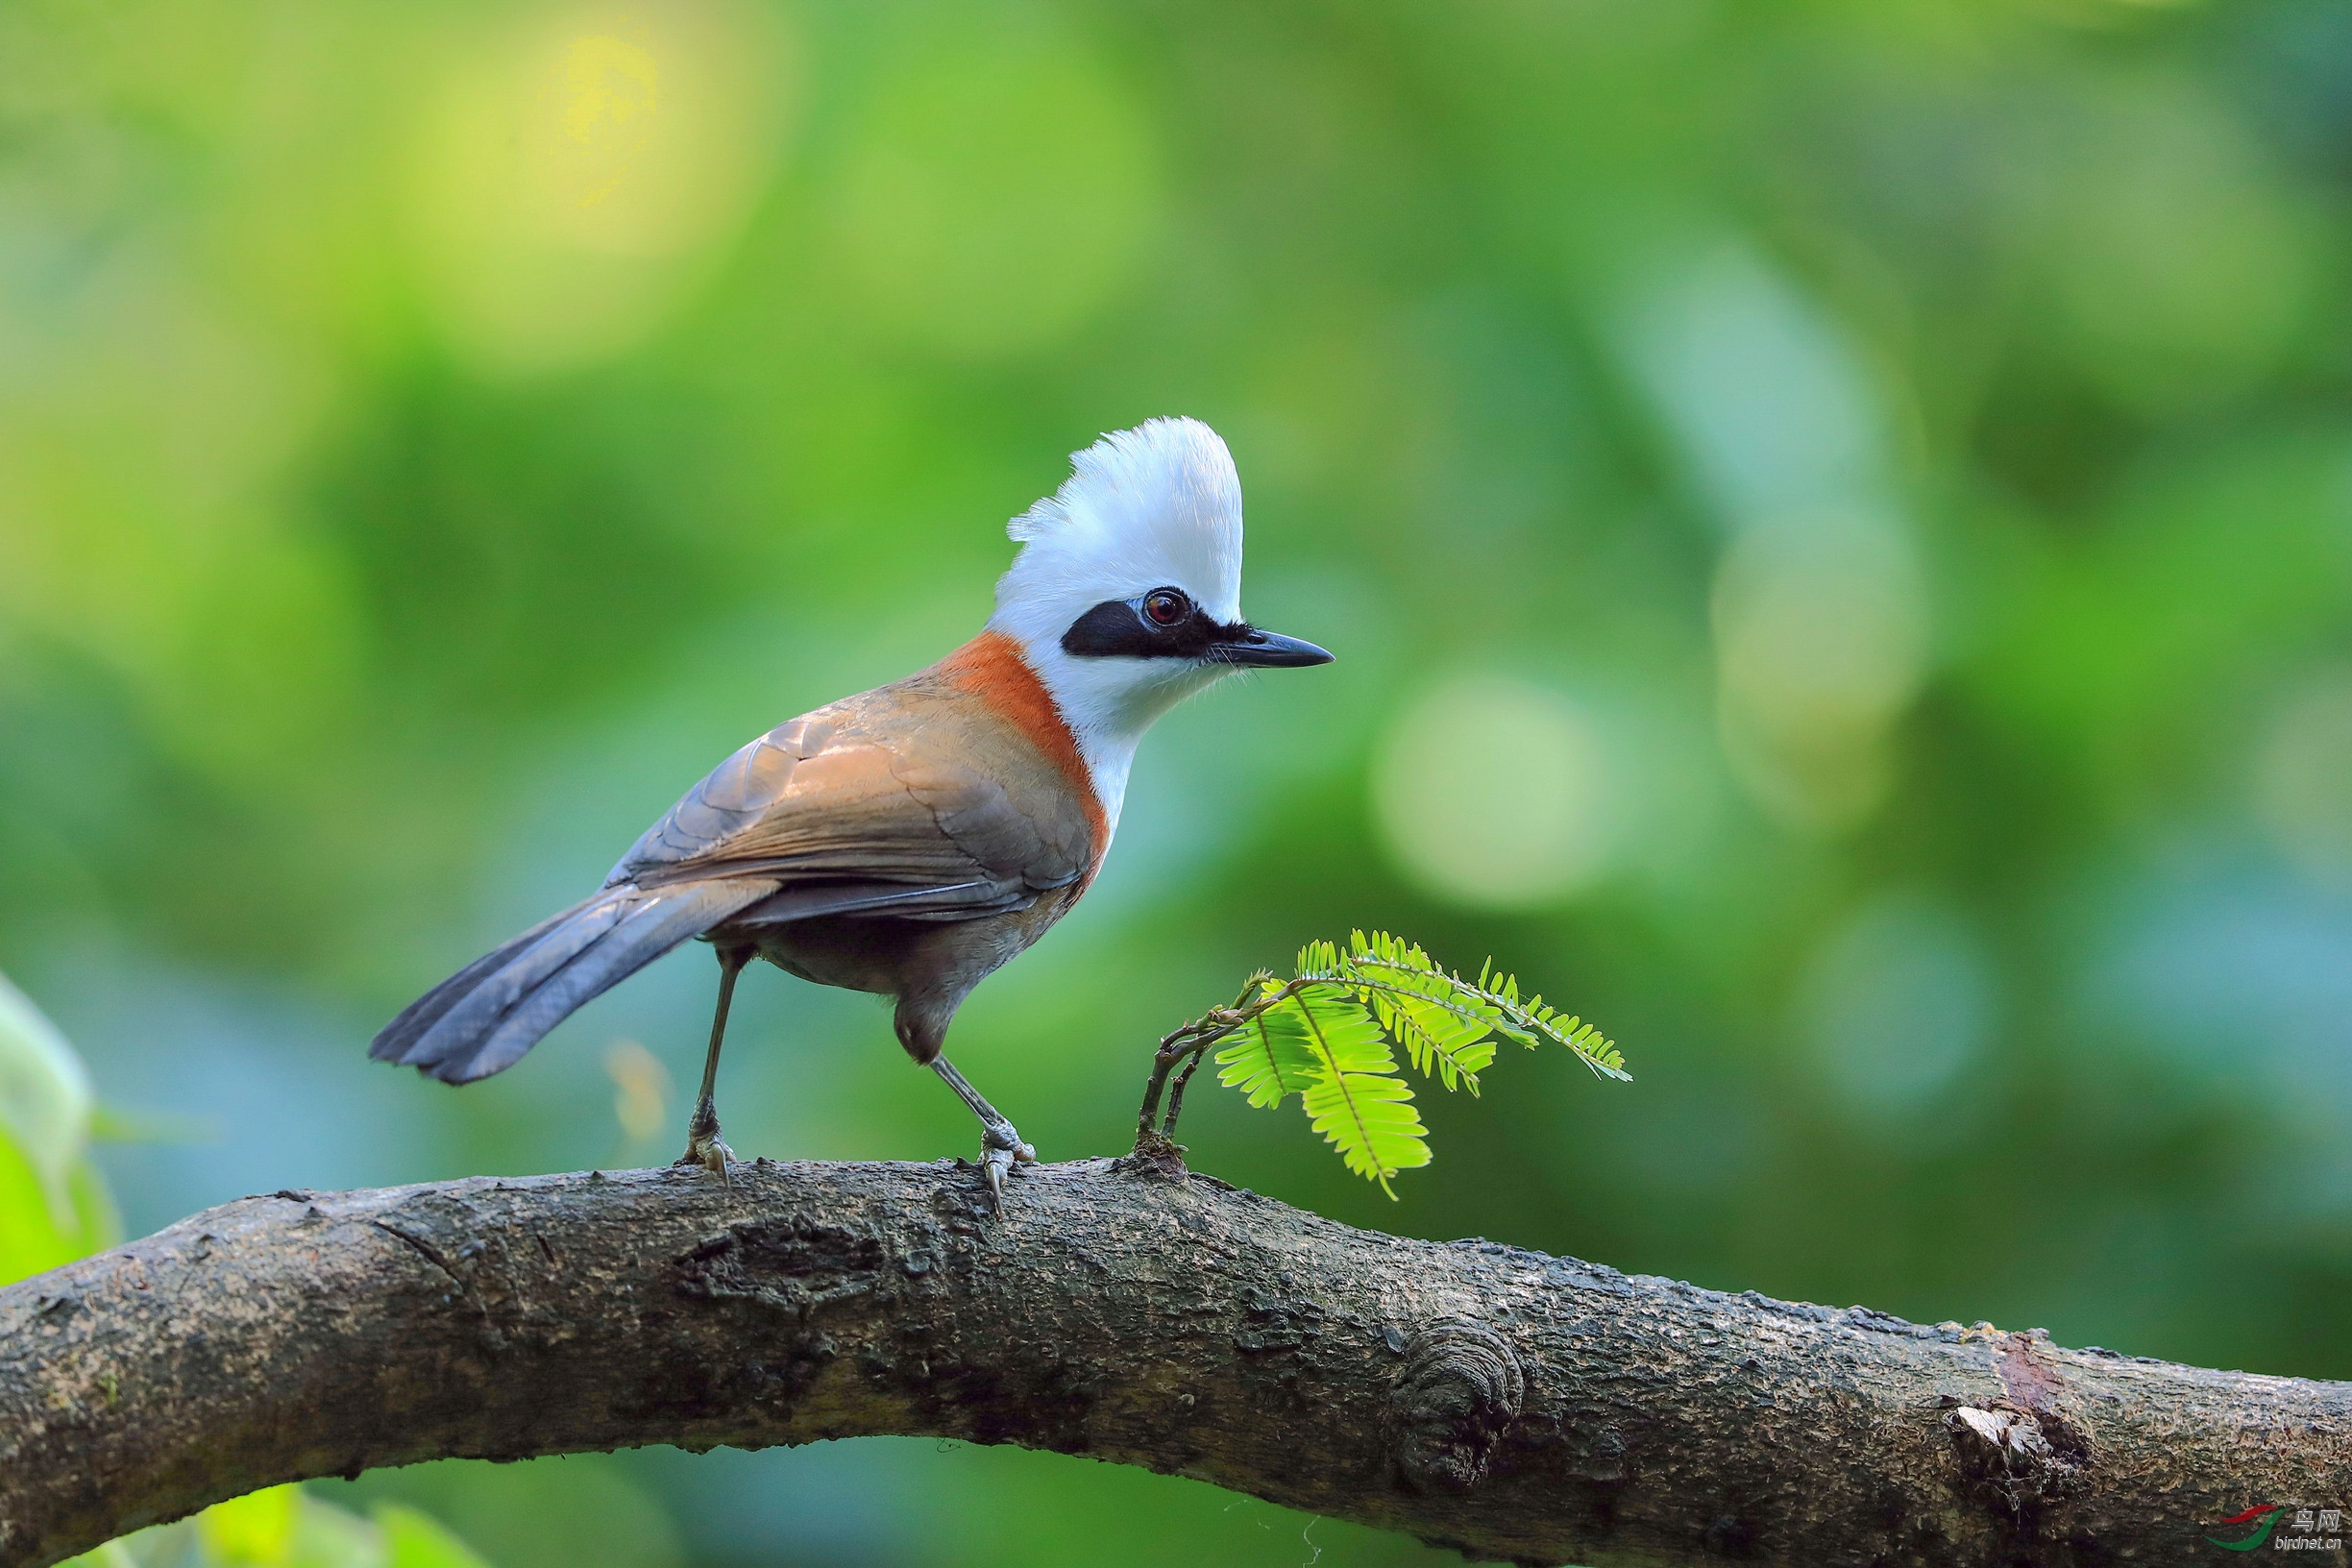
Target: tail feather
(481, 1019)
(496, 995)
(393, 1040)
(648, 933)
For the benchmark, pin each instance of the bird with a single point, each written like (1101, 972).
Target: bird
(911, 839)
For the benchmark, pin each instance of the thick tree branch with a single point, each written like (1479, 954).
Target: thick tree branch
(1513, 1405)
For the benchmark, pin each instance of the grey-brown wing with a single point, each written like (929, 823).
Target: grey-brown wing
(730, 799)
(905, 801)
(893, 812)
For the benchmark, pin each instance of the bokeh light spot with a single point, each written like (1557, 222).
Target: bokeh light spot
(2302, 776)
(2185, 269)
(1819, 613)
(1896, 1004)
(641, 1091)
(1494, 790)
(1820, 636)
(613, 87)
(572, 180)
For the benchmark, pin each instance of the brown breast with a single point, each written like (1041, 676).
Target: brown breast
(991, 667)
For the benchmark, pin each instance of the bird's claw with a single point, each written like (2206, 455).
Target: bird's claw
(1000, 1150)
(703, 1147)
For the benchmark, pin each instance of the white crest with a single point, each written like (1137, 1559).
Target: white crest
(1158, 507)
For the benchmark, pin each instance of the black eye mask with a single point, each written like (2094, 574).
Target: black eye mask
(1128, 628)
(1165, 623)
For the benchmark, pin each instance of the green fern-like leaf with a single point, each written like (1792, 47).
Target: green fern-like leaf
(1269, 1057)
(1329, 1036)
(1357, 1101)
(1443, 1029)
(1532, 1020)
(1495, 998)
(1372, 1123)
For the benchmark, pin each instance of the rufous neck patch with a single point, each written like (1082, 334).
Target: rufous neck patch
(991, 667)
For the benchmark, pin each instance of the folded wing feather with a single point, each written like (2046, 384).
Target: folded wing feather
(901, 803)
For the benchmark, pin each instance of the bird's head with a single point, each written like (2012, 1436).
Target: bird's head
(1126, 595)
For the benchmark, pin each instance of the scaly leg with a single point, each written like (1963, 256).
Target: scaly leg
(702, 1145)
(1000, 1145)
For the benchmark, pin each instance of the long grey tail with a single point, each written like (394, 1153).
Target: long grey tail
(482, 1018)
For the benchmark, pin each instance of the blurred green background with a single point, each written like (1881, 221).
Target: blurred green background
(1836, 519)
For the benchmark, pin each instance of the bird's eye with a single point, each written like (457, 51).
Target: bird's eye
(1165, 606)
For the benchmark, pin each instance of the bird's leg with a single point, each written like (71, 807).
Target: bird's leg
(1000, 1145)
(702, 1145)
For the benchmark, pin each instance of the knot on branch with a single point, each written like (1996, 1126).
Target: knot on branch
(2009, 1455)
(2022, 1450)
(1155, 1155)
(2009, 1443)
(791, 1265)
(1460, 1386)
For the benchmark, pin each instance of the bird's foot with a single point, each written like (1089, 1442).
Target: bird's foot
(702, 1145)
(1000, 1149)
(710, 1154)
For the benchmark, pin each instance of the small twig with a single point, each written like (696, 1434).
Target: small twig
(1176, 1090)
(1171, 1051)
(1189, 1043)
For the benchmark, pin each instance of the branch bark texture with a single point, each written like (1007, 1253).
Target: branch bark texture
(1516, 1406)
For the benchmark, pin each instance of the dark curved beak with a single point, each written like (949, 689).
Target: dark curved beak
(1270, 650)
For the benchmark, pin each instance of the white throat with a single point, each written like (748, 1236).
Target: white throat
(1108, 708)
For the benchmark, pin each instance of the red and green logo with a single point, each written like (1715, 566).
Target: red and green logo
(2266, 1512)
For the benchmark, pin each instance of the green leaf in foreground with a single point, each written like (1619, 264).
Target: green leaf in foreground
(1329, 1036)
(1268, 1056)
(53, 1206)
(416, 1540)
(44, 1093)
(285, 1527)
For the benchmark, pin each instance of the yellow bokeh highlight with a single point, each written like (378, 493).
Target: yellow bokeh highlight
(573, 179)
(641, 1089)
(416, 1540)
(255, 1530)
(612, 90)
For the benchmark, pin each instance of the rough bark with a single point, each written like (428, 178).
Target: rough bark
(1512, 1405)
